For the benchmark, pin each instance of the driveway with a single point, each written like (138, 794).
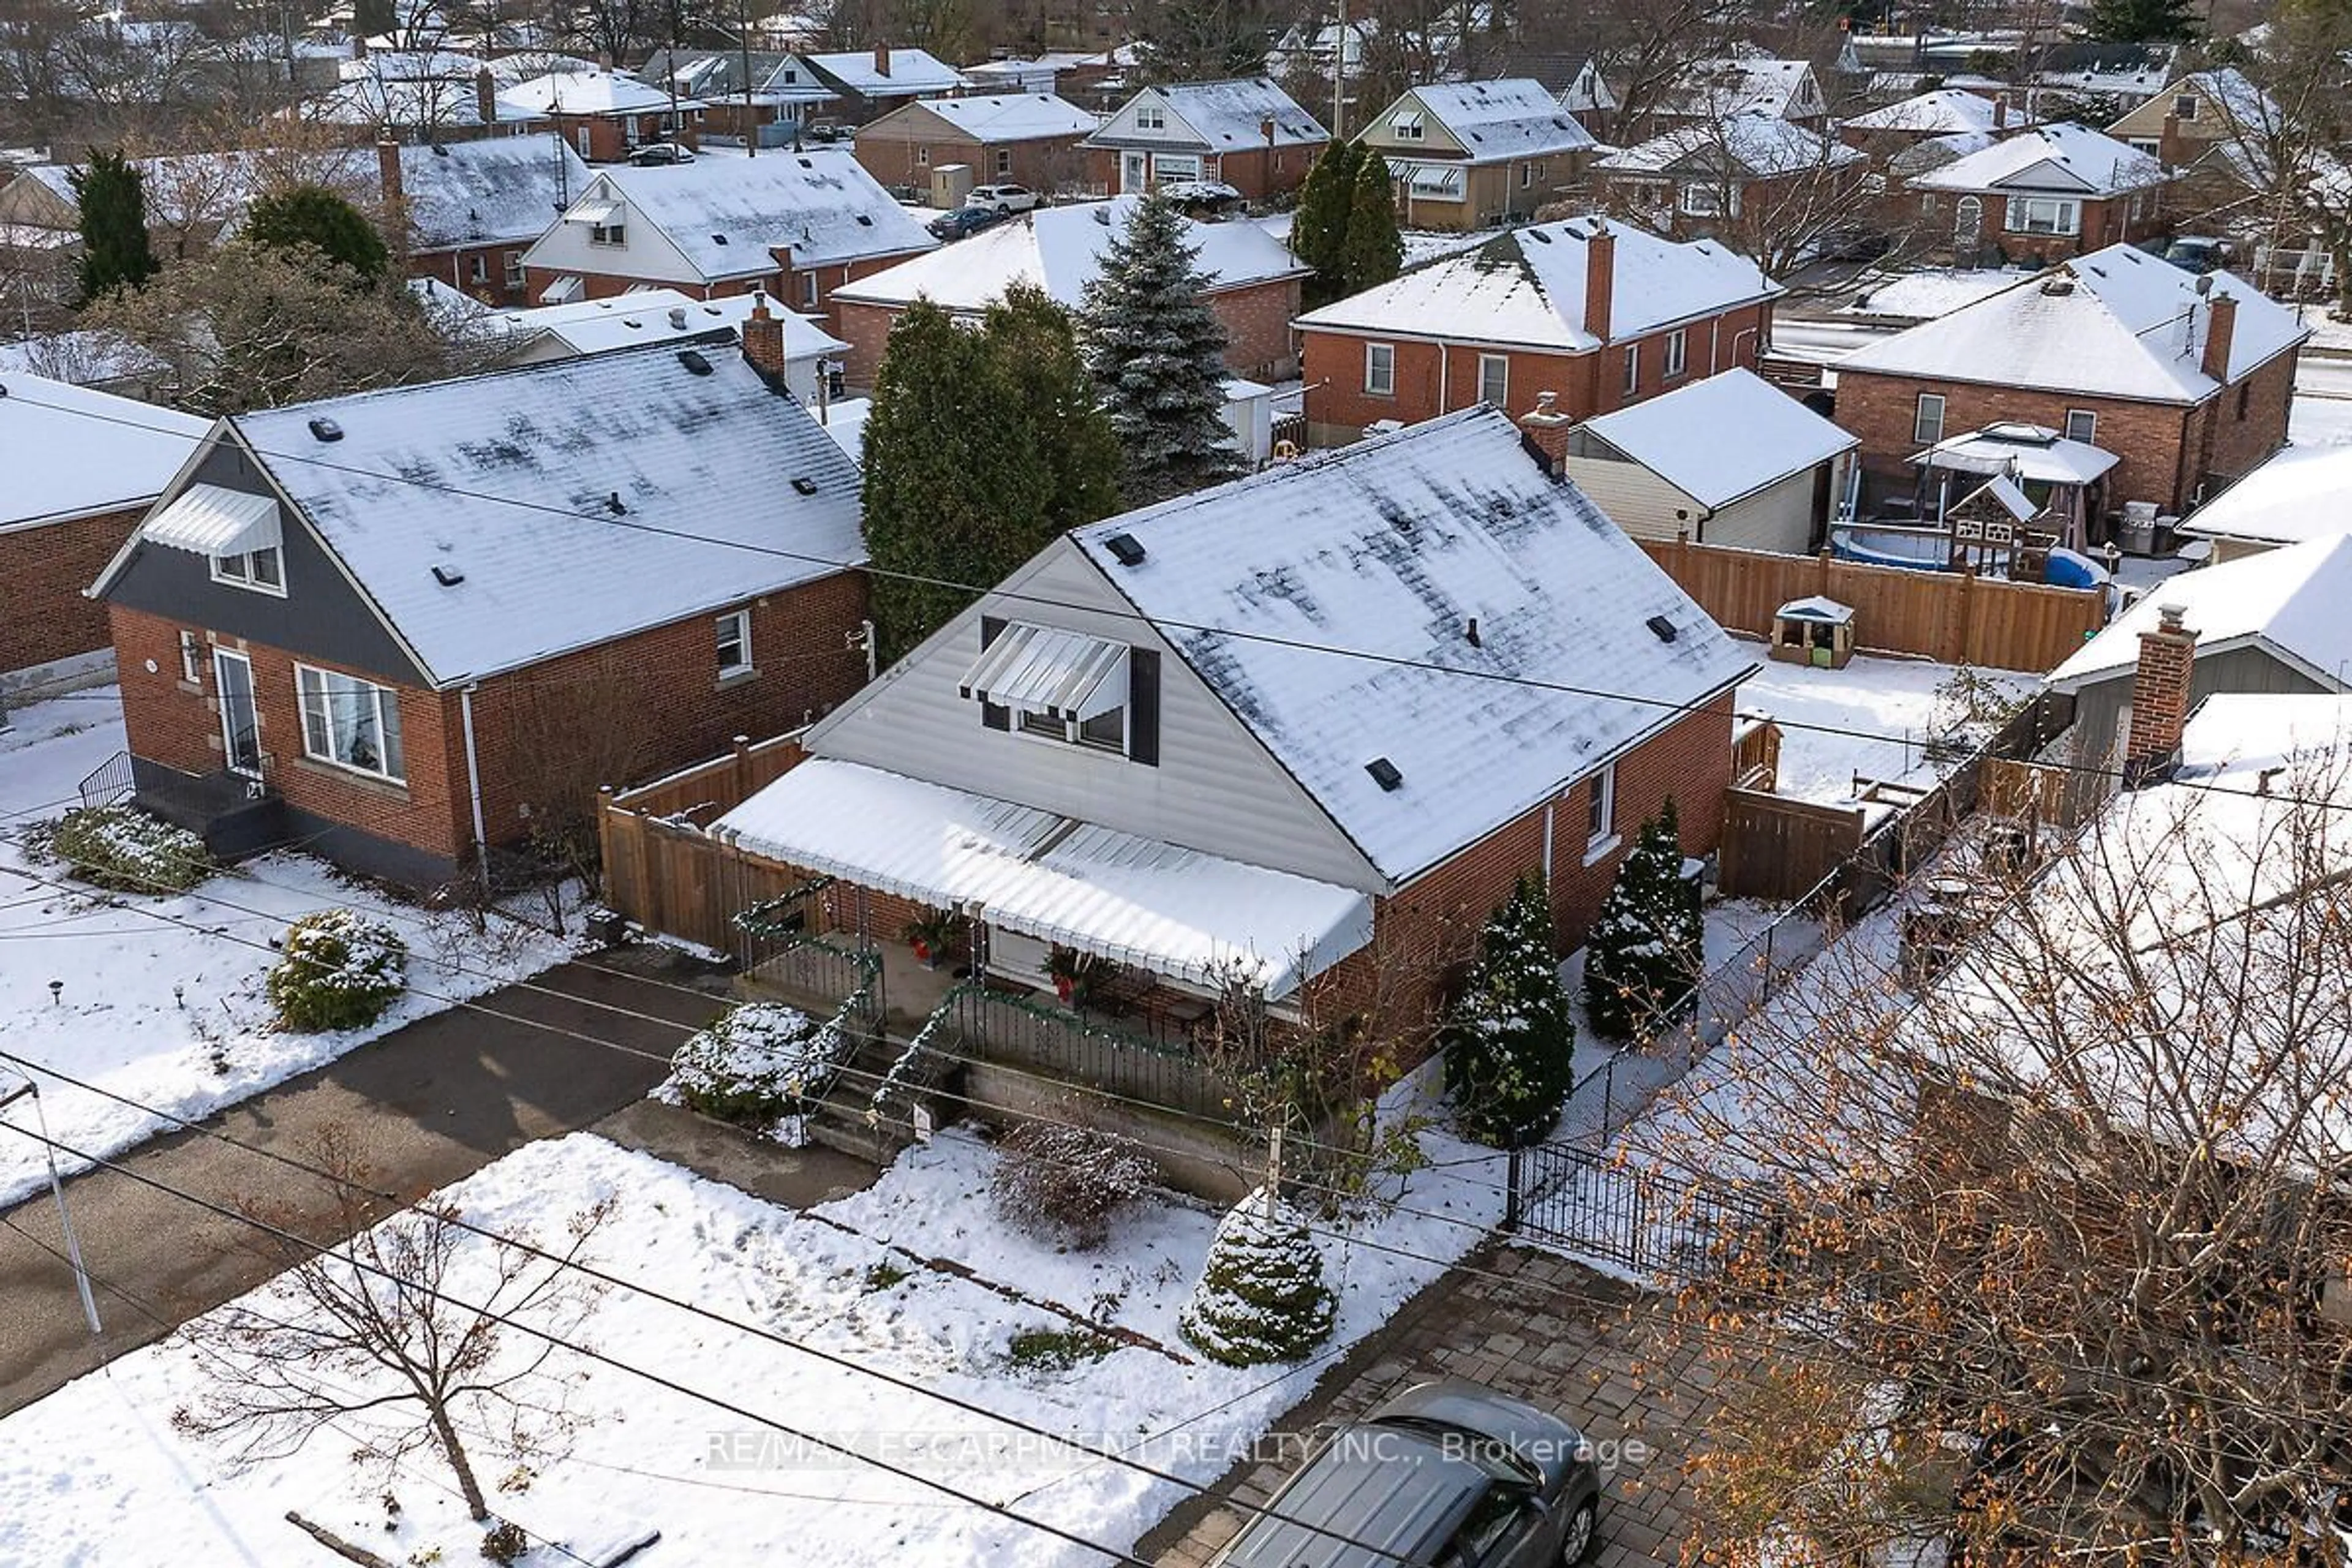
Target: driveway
(1537, 1326)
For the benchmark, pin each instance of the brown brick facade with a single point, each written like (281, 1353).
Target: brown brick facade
(1257, 173)
(808, 290)
(45, 568)
(2105, 222)
(479, 271)
(611, 138)
(1050, 164)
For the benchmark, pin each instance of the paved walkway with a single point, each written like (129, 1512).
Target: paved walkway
(1530, 1324)
(426, 1105)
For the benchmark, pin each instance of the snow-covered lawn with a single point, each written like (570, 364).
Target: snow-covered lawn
(96, 1475)
(2326, 332)
(1928, 293)
(1872, 717)
(2316, 421)
(173, 1015)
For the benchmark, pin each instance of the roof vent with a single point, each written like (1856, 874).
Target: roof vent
(2058, 287)
(440, 150)
(1663, 627)
(325, 429)
(1539, 235)
(864, 221)
(695, 361)
(806, 164)
(613, 504)
(718, 239)
(803, 485)
(1125, 548)
(447, 576)
(1470, 632)
(678, 318)
(1384, 773)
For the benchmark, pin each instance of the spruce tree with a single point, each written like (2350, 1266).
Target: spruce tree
(115, 254)
(1374, 252)
(1644, 952)
(315, 217)
(1260, 1296)
(1510, 1041)
(2143, 21)
(1157, 353)
(1318, 229)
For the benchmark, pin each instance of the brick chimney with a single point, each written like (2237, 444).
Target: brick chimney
(1600, 279)
(2000, 111)
(881, 58)
(2159, 694)
(2221, 326)
(387, 168)
(359, 47)
(763, 339)
(485, 97)
(1545, 430)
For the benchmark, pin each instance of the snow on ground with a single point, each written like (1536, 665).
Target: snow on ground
(1419, 244)
(96, 1475)
(2316, 421)
(1890, 702)
(1928, 293)
(2327, 333)
(116, 1019)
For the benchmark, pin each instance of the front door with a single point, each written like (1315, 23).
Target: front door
(240, 722)
(1968, 230)
(1132, 174)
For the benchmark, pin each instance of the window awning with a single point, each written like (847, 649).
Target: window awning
(593, 213)
(1062, 674)
(212, 521)
(563, 291)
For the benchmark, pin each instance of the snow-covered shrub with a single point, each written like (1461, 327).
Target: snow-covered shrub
(1509, 1042)
(505, 1542)
(1260, 1296)
(1067, 1184)
(340, 970)
(1645, 949)
(757, 1067)
(121, 847)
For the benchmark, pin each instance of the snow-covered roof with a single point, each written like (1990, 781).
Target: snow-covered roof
(183, 187)
(1514, 118)
(497, 189)
(1173, 911)
(1387, 550)
(1716, 88)
(1021, 117)
(661, 316)
(1938, 151)
(1724, 438)
(72, 451)
(2066, 158)
(438, 102)
(1945, 111)
(1815, 608)
(1230, 116)
(2117, 321)
(1526, 287)
(912, 71)
(2032, 452)
(86, 357)
(505, 479)
(1927, 294)
(1589, 92)
(1060, 250)
(589, 92)
(1759, 144)
(410, 64)
(2244, 105)
(2289, 601)
(822, 204)
(2303, 492)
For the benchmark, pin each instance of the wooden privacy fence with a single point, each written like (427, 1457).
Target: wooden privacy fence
(664, 872)
(1956, 617)
(1774, 848)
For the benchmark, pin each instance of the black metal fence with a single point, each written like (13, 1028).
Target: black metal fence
(1638, 1217)
(1028, 1035)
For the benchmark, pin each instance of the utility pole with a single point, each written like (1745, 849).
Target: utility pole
(1340, 77)
(57, 1191)
(743, 42)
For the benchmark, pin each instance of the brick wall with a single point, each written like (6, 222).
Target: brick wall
(1256, 174)
(45, 570)
(455, 268)
(2105, 222)
(2232, 446)
(1041, 164)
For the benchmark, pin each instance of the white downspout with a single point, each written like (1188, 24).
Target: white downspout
(474, 786)
(1445, 374)
(1547, 854)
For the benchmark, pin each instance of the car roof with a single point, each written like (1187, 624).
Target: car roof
(1362, 1504)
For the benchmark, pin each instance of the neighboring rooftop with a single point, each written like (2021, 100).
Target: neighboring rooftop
(2289, 601)
(1943, 112)
(912, 71)
(1021, 117)
(724, 213)
(660, 316)
(498, 189)
(1228, 116)
(1724, 438)
(1514, 118)
(2064, 159)
(1758, 143)
(2301, 493)
(1714, 89)
(72, 451)
(590, 92)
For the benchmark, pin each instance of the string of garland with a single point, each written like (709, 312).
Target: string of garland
(759, 920)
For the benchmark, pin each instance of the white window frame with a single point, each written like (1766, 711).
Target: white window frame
(387, 702)
(1921, 435)
(1380, 370)
(1150, 117)
(740, 621)
(808, 290)
(191, 657)
(1527, 172)
(1633, 369)
(612, 234)
(479, 269)
(2090, 419)
(514, 270)
(1496, 369)
(1187, 166)
(2184, 106)
(1036, 726)
(2065, 215)
(1600, 811)
(239, 570)
(1702, 199)
(1003, 162)
(1677, 352)
(922, 155)
(1409, 126)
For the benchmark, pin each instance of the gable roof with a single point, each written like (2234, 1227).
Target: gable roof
(589, 92)
(2288, 602)
(1020, 117)
(1760, 144)
(1388, 549)
(504, 478)
(1526, 287)
(1514, 118)
(1750, 84)
(662, 316)
(1060, 250)
(717, 74)
(1946, 112)
(2063, 157)
(2300, 493)
(822, 204)
(435, 101)
(1724, 438)
(500, 188)
(1226, 116)
(912, 71)
(73, 451)
(2117, 321)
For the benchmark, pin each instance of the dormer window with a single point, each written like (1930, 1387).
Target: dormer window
(1407, 126)
(259, 569)
(1053, 684)
(1150, 117)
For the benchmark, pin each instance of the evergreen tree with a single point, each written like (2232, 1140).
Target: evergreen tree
(317, 217)
(1318, 229)
(1509, 1043)
(1157, 355)
(1260, 1296)
(372, 18)
(1374, 252)
(1058, 414)
(115, 254)
(1645, 951)
(2143, 21)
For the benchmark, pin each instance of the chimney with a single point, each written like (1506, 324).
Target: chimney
(2159, 696)
(485, 97)
(763, 340)
(2172, 148)
(2000, 111)
(1600, 279)
(387, 166)
(359, 47)
(881, 58)
(2219, 328)
(1545, 431)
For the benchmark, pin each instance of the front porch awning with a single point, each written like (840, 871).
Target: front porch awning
(210, 520)
(1064, 675)
(2030, 453)
(1174, 911)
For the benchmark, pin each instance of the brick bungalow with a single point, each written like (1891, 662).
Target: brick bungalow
(606, 115)
(406, 625)
(1026, 140)
(795, 225)
(2185, 380)
(80, 468)
(1143, 747)
(1597, 313)
(2047, 193)
(1882, 133)
(1732, 177)
(465, 212)
(1248, 133)
(1253, 288)
(1466, 154)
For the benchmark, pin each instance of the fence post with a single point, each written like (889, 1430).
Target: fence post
(743, 773)
(1511, 1191)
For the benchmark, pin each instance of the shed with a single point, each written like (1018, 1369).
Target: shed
(1814, 631)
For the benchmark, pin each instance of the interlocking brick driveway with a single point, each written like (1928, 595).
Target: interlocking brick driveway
(1547, 1330)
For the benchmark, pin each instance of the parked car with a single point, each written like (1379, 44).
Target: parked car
(653, 153)
(2198, 252)
(1448, 1472)
(1002, 199)
(959, 222)
(827, 133)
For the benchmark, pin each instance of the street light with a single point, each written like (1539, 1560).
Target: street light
(57, 1191)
